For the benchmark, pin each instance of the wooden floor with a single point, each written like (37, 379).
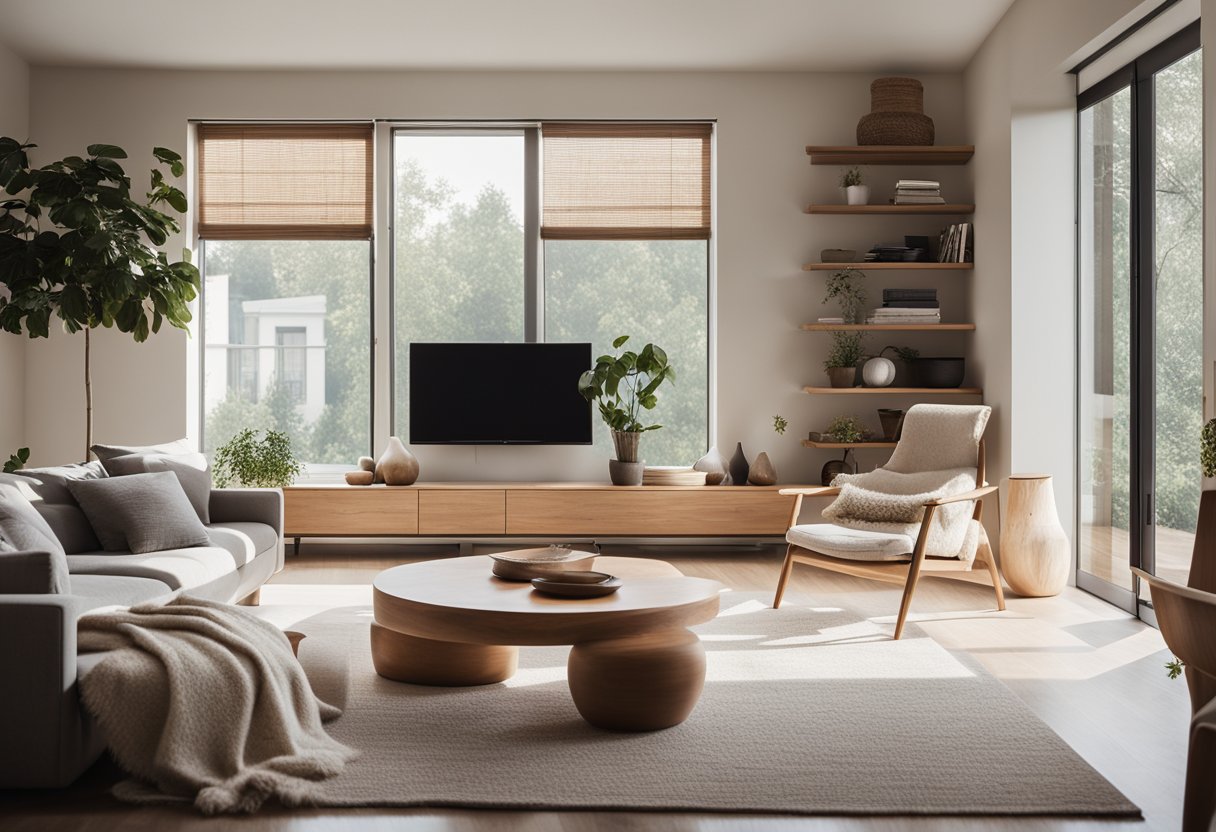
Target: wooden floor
(1091, 672)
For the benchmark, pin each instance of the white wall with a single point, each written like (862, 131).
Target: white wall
(14, 122)
(1021, 115)
(764, 179)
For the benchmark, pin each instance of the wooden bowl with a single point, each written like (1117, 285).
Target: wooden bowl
(525, 564)
(577, 584)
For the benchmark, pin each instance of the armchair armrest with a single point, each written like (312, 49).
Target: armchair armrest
(811, 491)
(966, 496)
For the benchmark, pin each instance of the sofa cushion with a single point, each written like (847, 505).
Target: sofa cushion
(47, 489)
(107, 452)
(117, 590)
(851, 544)
(244, 541)
(191, 470)
(23, 530)
(181, 569)
(140, 513)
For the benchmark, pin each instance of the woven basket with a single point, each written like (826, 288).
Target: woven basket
(897, 95)
(895, 128)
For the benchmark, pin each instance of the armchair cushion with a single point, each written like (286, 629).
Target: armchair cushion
(936, 437)
(892, 503)
(851, 544)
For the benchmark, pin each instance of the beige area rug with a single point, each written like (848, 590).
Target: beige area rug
(805, 711)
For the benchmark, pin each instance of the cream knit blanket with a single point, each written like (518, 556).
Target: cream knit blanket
(888, 501)
(202, 701)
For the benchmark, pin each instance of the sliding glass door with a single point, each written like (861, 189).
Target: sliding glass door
(1140, 327)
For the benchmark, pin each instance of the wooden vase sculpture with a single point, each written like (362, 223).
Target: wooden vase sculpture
(1035, 555)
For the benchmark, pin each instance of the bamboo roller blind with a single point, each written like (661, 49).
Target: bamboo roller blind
(626, 181)
(285, 181)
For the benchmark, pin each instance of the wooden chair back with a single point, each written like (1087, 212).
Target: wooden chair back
(1187, 618)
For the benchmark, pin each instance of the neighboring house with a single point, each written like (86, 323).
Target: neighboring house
(284, 339)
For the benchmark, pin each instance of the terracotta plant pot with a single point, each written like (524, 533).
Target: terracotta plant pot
(842, 376)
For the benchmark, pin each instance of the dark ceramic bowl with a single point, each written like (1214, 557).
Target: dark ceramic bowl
(939, 372)
(578, 584)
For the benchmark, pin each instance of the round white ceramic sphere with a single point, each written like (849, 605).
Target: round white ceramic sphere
(878, 372)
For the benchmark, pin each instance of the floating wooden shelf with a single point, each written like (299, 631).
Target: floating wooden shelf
(948, 208)
(958, 154)
(894, 391)
(865, 267)
(809, 443)
(889, 327)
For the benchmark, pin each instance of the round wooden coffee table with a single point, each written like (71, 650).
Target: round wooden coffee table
(634, 666)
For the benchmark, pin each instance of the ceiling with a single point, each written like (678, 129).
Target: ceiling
(748, 35)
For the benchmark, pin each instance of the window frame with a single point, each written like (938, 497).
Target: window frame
(1137, 76)
(534, 250)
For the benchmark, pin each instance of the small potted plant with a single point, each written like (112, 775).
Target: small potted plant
(846, 289)
(841, 363)
(245, 461)
(855, 193)
(622, 387)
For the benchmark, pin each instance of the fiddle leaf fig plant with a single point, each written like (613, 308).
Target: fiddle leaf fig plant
(78, 245)
(624, 385)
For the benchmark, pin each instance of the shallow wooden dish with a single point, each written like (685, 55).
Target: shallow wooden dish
(578, 584)
(526, 564)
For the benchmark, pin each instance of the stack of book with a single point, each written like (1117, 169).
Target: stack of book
(907, 306)
(918, 192)
(956, 244)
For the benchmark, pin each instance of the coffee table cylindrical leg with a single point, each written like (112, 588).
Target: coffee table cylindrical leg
(644, 683)
(424, 661)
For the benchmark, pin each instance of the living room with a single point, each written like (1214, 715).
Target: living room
(801, 344)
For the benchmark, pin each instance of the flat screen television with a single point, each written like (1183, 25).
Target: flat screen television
(498, 394)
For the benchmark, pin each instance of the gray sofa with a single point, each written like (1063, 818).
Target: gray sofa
(48, 738)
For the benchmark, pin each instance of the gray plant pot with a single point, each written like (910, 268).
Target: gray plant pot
(625, 473)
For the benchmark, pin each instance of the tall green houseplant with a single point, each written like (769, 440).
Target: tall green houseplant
(76, 244)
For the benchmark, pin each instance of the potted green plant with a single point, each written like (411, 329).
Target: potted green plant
(855, 193)
(841, 363)
(622, 386)
(91, 261)
(845, 430)
(245, 461)
(846, 289)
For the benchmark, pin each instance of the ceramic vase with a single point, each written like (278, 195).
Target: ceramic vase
(878, 372)
(892, 422)
(714, 466)
(738, 466)
(366, 463)
(762, 471)
(1035, 556)
(397, 466)
(359, 477)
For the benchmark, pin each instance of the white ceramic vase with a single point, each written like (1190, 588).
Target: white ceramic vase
(857, 194)
(878, 372)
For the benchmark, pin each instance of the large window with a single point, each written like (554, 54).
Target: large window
(285, 221)
(1141, 325)
(618, 244)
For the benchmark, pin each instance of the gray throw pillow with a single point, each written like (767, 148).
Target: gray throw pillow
(107, 452)
(22, 529)
(191, 470)
(47, 489)
(140, 513)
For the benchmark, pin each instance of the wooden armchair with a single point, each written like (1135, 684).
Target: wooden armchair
(893, 557)
(1187, 618)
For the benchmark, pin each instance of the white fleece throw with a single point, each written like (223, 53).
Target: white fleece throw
(204, 702)
(888, 501)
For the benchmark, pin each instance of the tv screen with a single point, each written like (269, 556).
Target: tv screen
(498, 394)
